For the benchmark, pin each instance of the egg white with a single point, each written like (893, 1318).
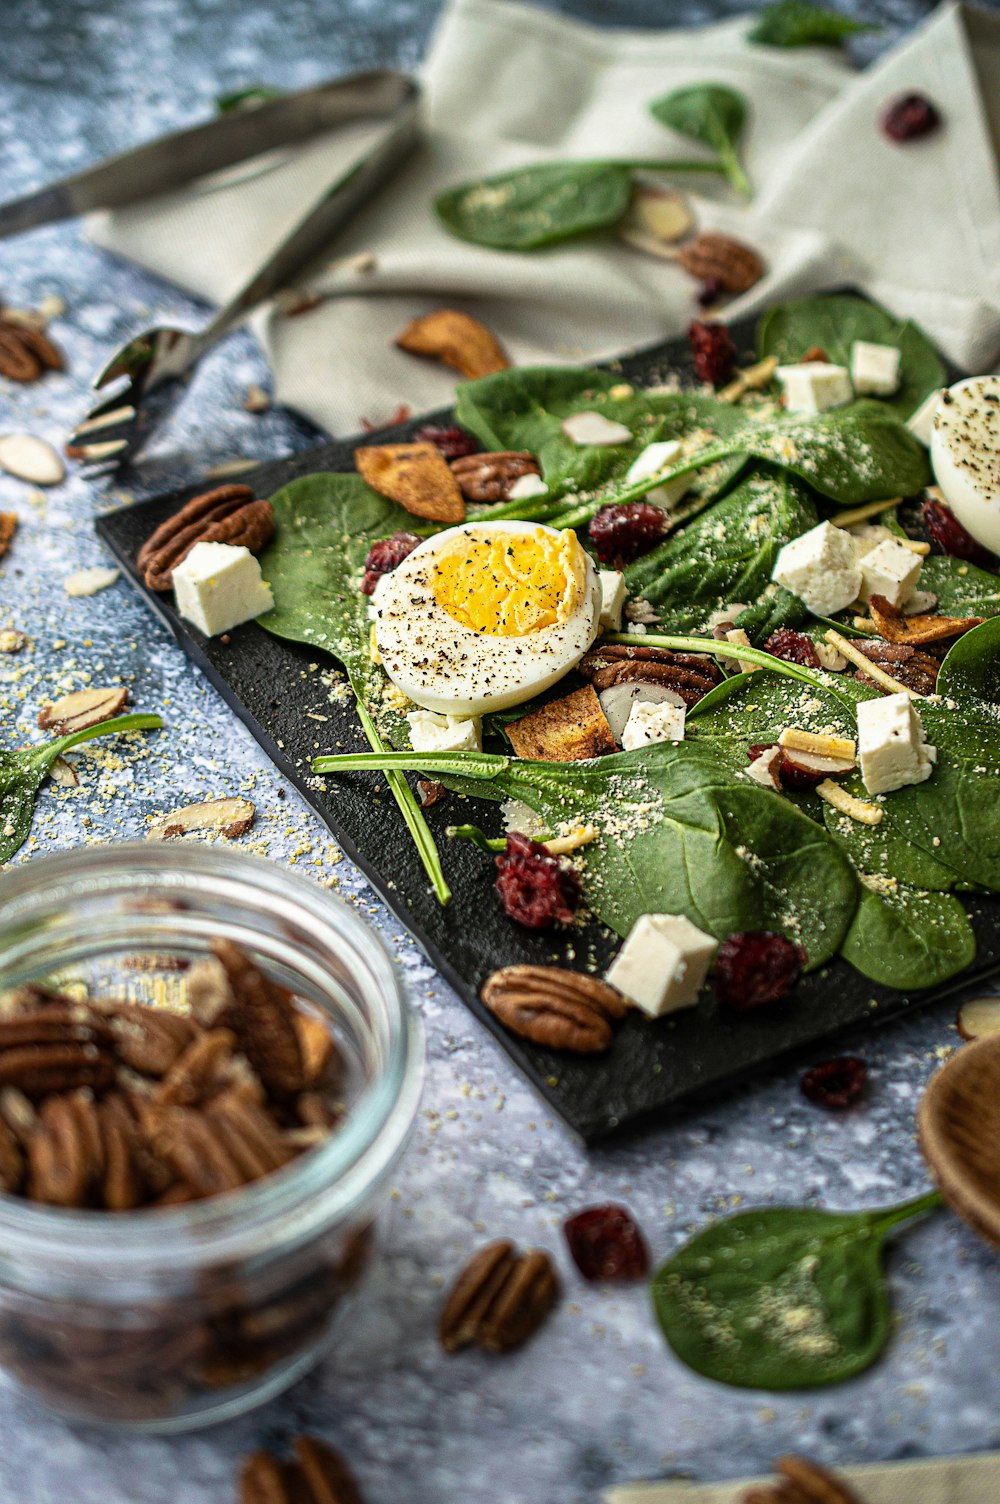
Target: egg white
(965, 455)
(443, 665)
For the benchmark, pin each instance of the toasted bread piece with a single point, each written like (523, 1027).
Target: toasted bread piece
(566, 730)
(891, 624)
(414, 475)
(455, 339)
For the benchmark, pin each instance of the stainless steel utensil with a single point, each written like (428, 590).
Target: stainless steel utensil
(147, 375)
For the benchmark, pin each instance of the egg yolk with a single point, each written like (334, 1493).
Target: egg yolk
(510, 584)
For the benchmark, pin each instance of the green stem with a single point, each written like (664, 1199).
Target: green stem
(477, 837)
(733, 168)
(472, 764)
(405, 798)
(918, 1207)
(718, 649)
(49, 751)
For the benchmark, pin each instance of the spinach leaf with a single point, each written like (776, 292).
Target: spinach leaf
(850, 454)
(23, 773)
(782, 1298)
(907, 939)
(712, 114)
(678, 833)
(834, 323)
(537, 206)
(961, 589)
(325, 526)
(524, 409)
(726, 554)
(971, 668)
(798, 23)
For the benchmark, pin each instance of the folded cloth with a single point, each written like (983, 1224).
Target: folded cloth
(941, 1480)
(917, 225)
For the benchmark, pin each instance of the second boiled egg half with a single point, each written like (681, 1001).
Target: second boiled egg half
(483, 616)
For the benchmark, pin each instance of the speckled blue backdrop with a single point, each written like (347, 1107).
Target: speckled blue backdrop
(596, 1399)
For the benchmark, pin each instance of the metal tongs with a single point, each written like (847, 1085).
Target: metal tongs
(147, 375)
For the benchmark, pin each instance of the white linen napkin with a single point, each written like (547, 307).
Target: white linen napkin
(916, 225)
(973, 1479)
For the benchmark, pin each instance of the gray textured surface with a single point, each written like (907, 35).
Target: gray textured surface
(597, 1399)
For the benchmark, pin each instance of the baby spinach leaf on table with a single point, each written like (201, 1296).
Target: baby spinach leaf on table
(530, 207)
(834, 323)
(23, 773)
(524, 409)
(908, 939)
(326, 524)
(678, 833)
(726, 554)
(782, 1298)
(712, 114)
(798, 23)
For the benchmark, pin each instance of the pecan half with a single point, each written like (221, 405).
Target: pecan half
(918, 671)
(227, 817)
(319, 1475)
(489, 477)
(717, 258)
(25, 351)
(82, 708)
(456, 340)
(499, 1300)
(11, 1159)
(801, 1481)
(66, 1154)
(149, 1040)
(692, 675)
(229, 514)
(8, 527)
(199, 1072)
(566, 1010)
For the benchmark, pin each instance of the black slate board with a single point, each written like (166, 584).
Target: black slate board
(651, 1068)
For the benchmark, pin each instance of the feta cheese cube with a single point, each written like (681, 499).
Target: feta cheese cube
(892, 748)
(219, 586)
(430, 732)
(594, 428)
(921, 422)
(890, 570)
(868, 535)
(874, 368)
(813, 386)
(821, 568)
(662, 455)
(663, 963)
(650, 721)
(739, 639)
(526, 486)
(613, 597)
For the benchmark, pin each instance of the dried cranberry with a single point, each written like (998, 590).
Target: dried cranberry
(713, 350)
(835, 1083)
(534, 887)
(384, 556)
(755, 968)
(452, 442)
(814, 352)
(910, 116)
(949, 535)
(710, 292)
(621, 533)
(605, 1243)
(793, 647)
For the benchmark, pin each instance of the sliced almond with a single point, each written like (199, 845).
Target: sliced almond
(656, 220)
(64, 774)
(920, 603)
(765, 769)
(82, 708)
(841, 748)
(566, 730)
(892, 624)
(847, 804)
(90, 581)
(595, 428)
(226, 817)
(416, 476)
(978, 1017)
(810, 762)
(8, 527)
(12, 641)
(256, 399)
(31, 459)
(457, 341)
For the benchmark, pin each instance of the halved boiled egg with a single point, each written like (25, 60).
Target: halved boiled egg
(483, 616)
(965, 454)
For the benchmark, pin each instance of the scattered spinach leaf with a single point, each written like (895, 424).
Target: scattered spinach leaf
(834, 323)
(530, 207)
(23, 773)
(798, 23)
(325, 527)
(782, 1298)
(712, 114)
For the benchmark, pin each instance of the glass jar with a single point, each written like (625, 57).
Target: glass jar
(169, 1318)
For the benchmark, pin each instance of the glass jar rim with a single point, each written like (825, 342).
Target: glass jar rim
(284, 1209)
